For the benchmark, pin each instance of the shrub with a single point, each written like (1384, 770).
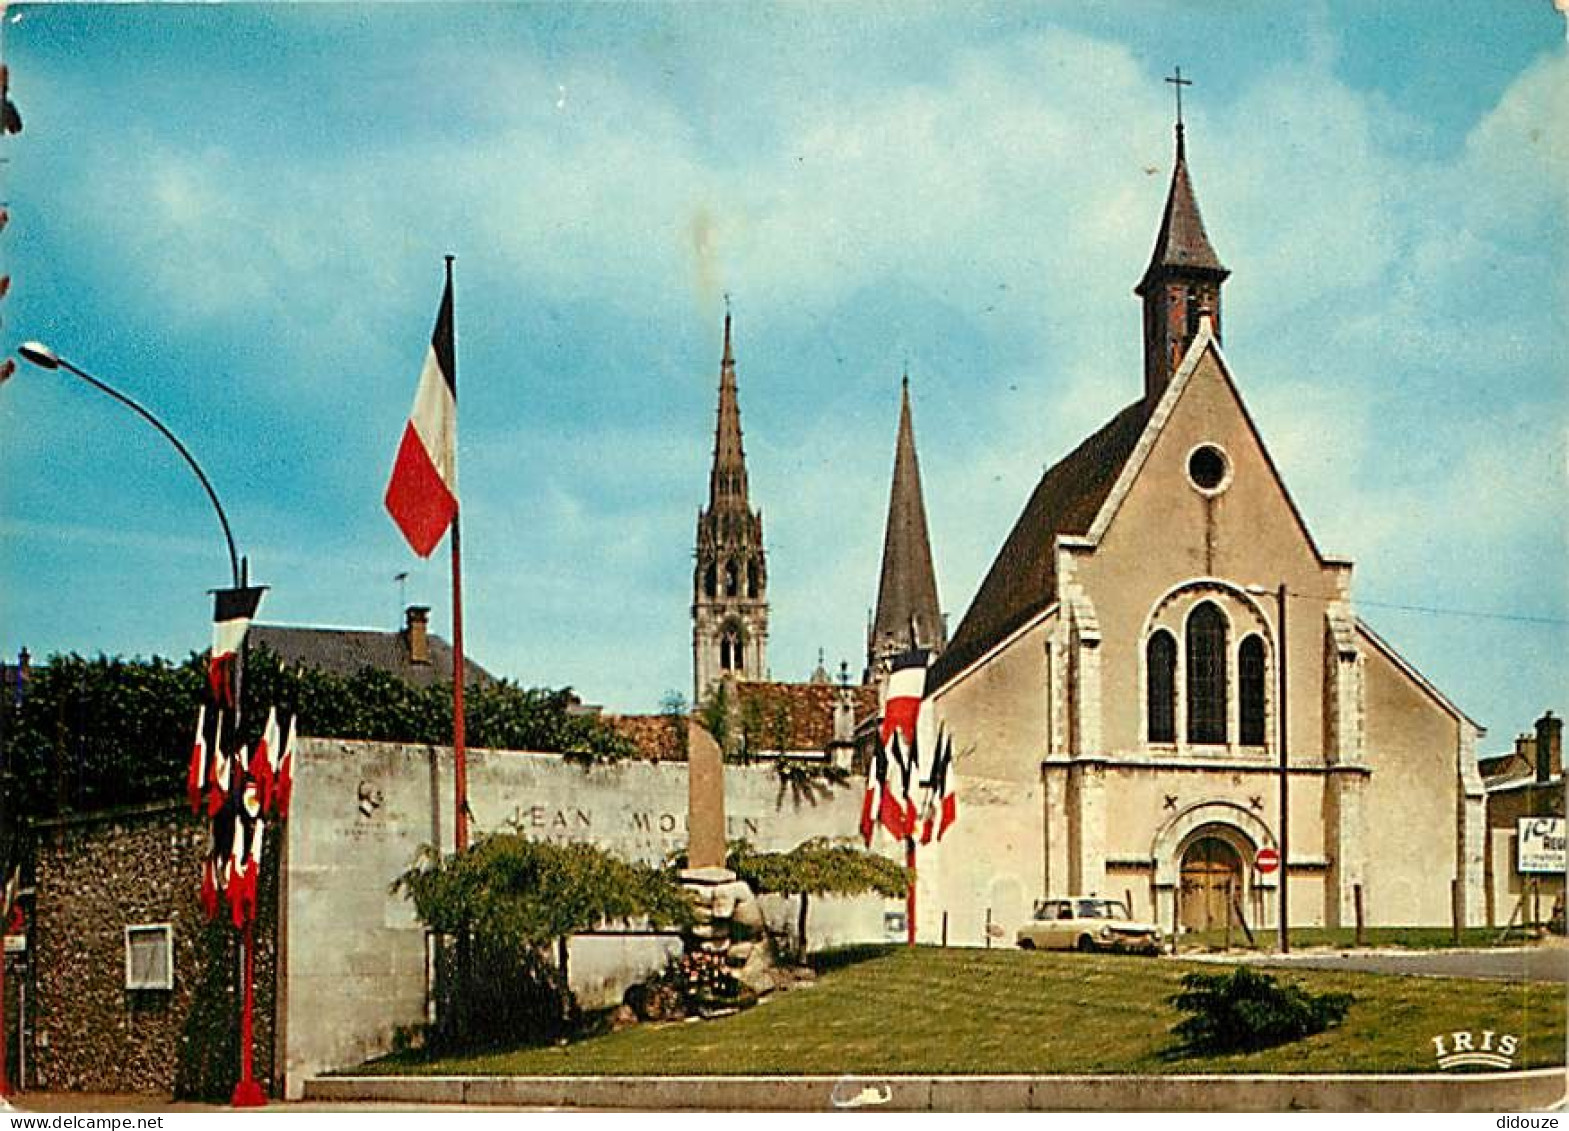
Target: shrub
(1245, 1010)
(705, 982)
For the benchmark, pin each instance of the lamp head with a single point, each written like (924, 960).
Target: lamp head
(39, 354)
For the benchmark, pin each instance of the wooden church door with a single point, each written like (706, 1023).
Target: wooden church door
(1211, 878)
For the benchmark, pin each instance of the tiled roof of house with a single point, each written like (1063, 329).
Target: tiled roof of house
(345, 651)
(783, 717)
(658, 738)
(1023, 579)
(797, 716)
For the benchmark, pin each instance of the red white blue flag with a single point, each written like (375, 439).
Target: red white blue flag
(233, 611)
(422, 495)
(899, 742)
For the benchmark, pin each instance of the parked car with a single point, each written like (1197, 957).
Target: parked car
(1087, 923)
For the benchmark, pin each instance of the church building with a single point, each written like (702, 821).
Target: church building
(1157, 628)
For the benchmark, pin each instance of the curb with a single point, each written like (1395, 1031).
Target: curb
(1494, 1091)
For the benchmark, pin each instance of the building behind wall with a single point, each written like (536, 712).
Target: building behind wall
(1524, 785)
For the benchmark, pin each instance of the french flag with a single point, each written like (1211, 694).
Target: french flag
(264, 758)
(897, 738)
(283, 778)
(233, 611)
(422, 496)
(196, 775)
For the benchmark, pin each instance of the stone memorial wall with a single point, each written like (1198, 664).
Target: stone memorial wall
(354, 956)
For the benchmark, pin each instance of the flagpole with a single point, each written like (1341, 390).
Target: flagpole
(460, 773)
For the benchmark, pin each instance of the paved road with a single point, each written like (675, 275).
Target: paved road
(1512, 964)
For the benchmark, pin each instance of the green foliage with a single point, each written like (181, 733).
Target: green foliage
(509, 891)
(1245, 1010)
(94, 734)
(821, 866)
(490, 994)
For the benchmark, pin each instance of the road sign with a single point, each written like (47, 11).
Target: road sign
(1267, 860)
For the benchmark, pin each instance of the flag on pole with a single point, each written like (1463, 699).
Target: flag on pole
(876, 782)
(218, 777)
(263, 758)
(422, 495)
(233, 611)
(897, 739)
(283, 788)
(196, 776)
(942, 805)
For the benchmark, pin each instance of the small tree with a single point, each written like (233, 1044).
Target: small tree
(821, 866)
(1245, 1010)
(514, 897)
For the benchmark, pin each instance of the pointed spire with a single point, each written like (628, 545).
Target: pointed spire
(907, 604)
(727, 481)
(1183, 244)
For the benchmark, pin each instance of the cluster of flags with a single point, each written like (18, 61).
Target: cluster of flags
(897, 797)
(236, 786)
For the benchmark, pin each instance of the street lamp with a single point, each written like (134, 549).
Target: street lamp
(46, 358)
(1281, 713)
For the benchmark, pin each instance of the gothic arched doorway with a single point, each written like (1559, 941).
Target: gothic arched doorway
(1211, 883)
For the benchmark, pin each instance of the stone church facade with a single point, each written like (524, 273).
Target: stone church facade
(1158, 621)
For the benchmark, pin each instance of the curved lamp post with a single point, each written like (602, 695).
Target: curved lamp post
(46, 358)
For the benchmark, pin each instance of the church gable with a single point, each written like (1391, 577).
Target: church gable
(1200, 487)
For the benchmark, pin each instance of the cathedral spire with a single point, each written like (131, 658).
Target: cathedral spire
(908, 613)
(730, 583)
(1182, 281)
(727, 487)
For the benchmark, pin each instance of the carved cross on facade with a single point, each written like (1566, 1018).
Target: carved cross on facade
(1179, 82)
(1170, 801)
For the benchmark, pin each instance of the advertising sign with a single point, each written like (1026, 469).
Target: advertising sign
(1541, 844)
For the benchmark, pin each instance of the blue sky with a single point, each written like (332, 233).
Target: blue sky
(237, 214)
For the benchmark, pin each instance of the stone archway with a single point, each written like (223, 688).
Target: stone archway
(1211, 886)
(1239, 828)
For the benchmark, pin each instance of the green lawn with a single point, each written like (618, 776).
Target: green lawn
(956, 1011)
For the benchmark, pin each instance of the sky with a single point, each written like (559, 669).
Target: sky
(236, 214)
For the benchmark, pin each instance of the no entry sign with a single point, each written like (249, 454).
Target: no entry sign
(1267, 860)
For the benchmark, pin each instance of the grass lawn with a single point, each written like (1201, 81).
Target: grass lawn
(958, 1011)
(1417, 938)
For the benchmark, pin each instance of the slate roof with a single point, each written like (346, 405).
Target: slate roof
(345, 651)
(907, 587)
(1182, 243)
(1022, 580)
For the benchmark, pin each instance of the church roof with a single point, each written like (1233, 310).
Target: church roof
(346, 651)
(1023, 579)
(1182, 243)
(907, 588)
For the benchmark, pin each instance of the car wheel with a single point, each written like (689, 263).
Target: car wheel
(1086, 945)
(1026, 944)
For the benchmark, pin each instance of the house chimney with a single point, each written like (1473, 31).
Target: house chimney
(1549, 747)
(416, 634)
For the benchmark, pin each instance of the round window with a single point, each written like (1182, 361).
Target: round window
(1207, 467)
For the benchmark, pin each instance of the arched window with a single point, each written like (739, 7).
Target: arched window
(730, 579)
(728, 653)
(1207, 674)
(751, 579)
(710, 581)
(1161, 686)
(1250, 691)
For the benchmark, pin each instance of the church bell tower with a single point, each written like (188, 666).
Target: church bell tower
(730, 582)
(1182, 281)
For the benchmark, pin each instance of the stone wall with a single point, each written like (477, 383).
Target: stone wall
(355, 956)
(96, 875)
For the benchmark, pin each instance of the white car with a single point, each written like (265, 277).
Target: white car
(1087, 923)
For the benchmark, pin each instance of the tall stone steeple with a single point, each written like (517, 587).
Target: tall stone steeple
(730, 583)
(908, 613)
(1181, 282)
